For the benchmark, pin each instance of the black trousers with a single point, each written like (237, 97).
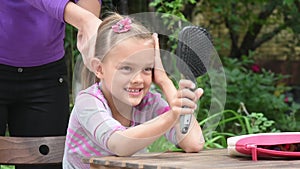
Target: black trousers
(34, 101)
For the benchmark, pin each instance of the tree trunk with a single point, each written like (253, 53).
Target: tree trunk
(250, 38)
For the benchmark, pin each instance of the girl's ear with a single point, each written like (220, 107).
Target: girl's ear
(96, 65)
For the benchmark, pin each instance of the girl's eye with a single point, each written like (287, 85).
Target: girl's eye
(148, 70)
(126, 69)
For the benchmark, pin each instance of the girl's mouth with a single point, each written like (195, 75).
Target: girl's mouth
(133, 91)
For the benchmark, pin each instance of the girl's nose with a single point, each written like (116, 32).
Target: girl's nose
(137, 78)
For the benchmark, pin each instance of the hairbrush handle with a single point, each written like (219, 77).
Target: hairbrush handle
(185, 121)
(194, 48)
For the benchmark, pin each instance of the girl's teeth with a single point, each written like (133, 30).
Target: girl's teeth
(132, 90)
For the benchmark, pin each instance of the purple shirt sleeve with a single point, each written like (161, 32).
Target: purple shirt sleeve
(54, 8)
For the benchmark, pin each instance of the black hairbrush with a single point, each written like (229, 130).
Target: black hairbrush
(193, 51)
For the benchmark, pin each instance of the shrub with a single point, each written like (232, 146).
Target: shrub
(255, 88)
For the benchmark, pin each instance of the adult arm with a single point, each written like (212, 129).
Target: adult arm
(87, 24)
(84, 16)
(81, 18)
(56, 8)
(94, 6)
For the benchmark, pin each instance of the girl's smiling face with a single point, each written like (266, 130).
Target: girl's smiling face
(127, 71)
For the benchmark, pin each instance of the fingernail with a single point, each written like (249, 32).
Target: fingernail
(155, 34)
(201, 90)
(193, 85)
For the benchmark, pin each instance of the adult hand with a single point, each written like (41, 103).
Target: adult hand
(86, 40)
(87, 24)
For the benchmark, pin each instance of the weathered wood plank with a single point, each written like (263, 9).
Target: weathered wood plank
(31, 150)
(217, 159)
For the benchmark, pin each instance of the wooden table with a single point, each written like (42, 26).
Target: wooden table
(207, 159)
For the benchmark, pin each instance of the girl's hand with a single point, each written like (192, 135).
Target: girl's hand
(176, 98)
(187, 97)
(159, 75)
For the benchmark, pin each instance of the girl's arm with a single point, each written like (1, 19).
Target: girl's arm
(160, 76)
(130, 141)
(193, 141)
(134, 139)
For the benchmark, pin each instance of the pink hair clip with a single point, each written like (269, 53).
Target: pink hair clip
(124, 25)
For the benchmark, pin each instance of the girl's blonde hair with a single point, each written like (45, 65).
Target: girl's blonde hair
(107, 39)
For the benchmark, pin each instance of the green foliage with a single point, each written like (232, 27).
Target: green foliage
(168, 10)
(216, 140)
(162, 145)
(255, 104)
(233, 123)
(258, 90)
(261, 124)
(71, 54)
(171, 8)
(249, 23)
(70, 45)
(7, 167)
(261, 91)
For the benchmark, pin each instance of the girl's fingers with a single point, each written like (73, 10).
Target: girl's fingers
(184, 83)
(182, 110)
(157, 62)
(198, 92)
(155, 38)
(185, 86)
(186, 93)
(185, 103)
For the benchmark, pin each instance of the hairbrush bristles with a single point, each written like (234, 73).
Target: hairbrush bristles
(194, 49)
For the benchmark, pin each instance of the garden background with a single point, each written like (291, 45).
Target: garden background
(258, 43)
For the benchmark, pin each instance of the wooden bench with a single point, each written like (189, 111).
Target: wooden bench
(31, 150)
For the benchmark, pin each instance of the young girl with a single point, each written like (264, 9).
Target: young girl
(117, 114)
